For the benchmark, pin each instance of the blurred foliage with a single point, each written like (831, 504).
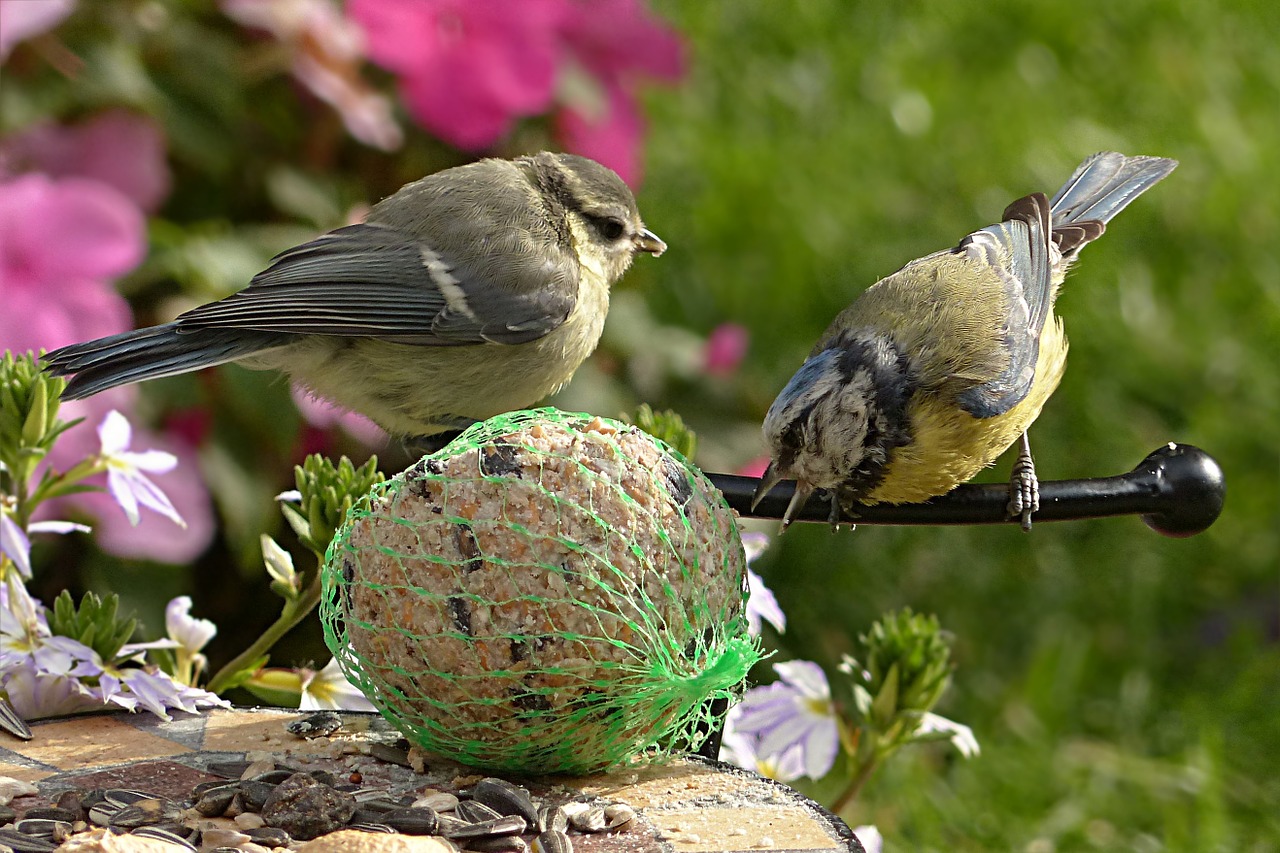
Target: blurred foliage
(667, 426)
(1123, 687)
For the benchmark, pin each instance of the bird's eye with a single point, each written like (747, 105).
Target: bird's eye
(610, 227)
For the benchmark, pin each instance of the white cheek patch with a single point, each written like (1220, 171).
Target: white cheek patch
(837, 406)
(589, 255)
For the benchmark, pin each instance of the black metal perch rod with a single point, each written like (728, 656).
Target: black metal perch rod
(1178, 490)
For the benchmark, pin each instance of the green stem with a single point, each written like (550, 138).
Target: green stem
(293, 613)
(57, 486)
(856, 784)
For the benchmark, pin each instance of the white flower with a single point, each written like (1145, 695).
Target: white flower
(191, 634)
(15, 545)
(125, 478)
(870, 838)
(762, 605)
(960, 735)
(795, 713)
(329, 690)
(279, 563)
(742, 750)
(47, 675)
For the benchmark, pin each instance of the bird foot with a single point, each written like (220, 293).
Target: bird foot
(836, 517)
(1024, 486)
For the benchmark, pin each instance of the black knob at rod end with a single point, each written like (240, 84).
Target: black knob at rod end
(1191, 486)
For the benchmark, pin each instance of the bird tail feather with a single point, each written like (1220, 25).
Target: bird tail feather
(147, 354)
(1104, 184)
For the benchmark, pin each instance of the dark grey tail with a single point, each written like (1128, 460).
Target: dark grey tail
(149, 354)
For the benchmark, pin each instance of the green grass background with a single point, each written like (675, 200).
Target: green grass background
(1125, 687)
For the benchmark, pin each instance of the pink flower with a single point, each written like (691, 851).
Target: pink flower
(608, 132)
(467, 68)
(327, 51)
(726, 347)
(617, 42)
(21, 21)
(121, 149)
(60, 243)
(323, 414)
(755, 468)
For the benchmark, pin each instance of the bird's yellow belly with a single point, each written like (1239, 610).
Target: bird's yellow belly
(950, 446)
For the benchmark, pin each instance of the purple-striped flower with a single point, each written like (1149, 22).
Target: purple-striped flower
(794, 714)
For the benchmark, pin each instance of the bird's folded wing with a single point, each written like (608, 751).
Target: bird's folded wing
(371, 280)
(1017, 255)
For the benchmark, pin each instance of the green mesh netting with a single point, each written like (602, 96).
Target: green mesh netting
(551, 592)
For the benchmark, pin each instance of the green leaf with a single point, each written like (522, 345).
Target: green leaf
(329, 492)
(885, 706)
(96, 622)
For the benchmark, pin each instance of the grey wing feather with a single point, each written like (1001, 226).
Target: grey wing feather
(371, 280)
(150, 353)
(1017, 250)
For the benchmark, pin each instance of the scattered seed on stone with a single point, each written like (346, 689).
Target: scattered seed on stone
(214, 801)
(320, 724)
(505, 798)
(22, 843)
(506, 825)
(500, 844)
(618, 816)
(552, 818)
(413, 821)
(53, 813)
(161, 834)
(551, 841)
(390, 754)
(269, 836)
(440, 801)
(590, 819)
(306, 809)
(476, 811)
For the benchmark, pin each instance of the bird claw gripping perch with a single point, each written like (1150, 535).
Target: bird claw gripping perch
(1024, 487)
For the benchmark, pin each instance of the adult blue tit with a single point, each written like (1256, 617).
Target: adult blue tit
(936, 370)
(471, 292)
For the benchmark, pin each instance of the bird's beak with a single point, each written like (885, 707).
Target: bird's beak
(768, 480)
(798, 500)
(647, 241)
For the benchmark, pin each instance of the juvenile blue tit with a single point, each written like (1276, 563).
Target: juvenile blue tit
(474, 291)
(934, 371)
